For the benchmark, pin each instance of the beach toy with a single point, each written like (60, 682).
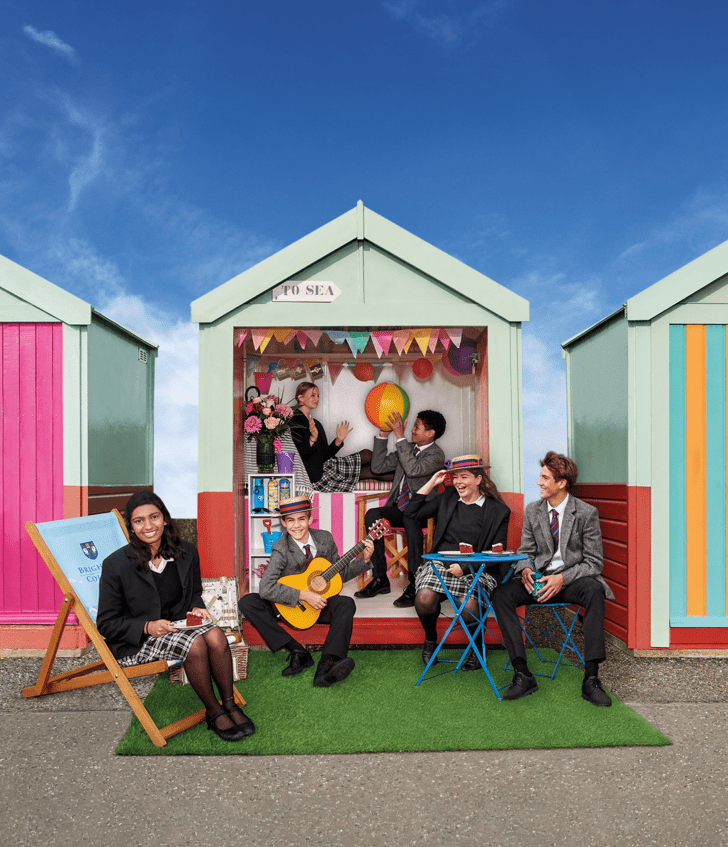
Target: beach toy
(384, 400)
(269, 539)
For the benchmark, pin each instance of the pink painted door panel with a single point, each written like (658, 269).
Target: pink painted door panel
(31, 465)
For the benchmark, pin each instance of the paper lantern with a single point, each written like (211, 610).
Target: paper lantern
(422, 369)
(459, 360)
(384, 400)
(364, 372)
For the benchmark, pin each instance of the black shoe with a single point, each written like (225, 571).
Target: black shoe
(472, 663)
(374, 587)
(233, 733)
(428, 648)
(247, 727)
(407, 599)
(591, 690)
(522, 685)
(330, 671)
(298, 660)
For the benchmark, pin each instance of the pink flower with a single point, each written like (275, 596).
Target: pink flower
(277, 445)
(272, 423)
(284, 411)
(253, 425)
(257, 400)
(267, 410)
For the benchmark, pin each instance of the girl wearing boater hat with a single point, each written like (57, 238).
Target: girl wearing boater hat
(471, 511)
(291, 554)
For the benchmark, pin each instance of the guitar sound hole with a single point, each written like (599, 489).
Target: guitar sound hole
(316, 582)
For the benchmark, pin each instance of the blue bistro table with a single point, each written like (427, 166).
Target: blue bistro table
(483, 561)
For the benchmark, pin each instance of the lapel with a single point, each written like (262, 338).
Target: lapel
(296, 555)
(567, 525)
(487, 522)
(184, 563)
(443, 516)
(144, 575)
(545, 526)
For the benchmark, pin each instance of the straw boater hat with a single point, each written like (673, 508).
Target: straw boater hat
(466, 463)
(292, 505)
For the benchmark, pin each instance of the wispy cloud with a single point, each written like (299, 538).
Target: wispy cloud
(50, 39)
(460, 27)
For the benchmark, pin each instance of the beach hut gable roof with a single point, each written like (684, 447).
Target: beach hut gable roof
(359, 224)
(679, 285)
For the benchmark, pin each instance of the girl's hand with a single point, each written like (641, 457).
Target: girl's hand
(342, 430)
(203, 613)
(455, 570)
(159, 628)
(433, 482)
(313, 429)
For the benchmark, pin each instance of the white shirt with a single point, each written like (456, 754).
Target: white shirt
(160, 567)
(479, 502)
(557, 559)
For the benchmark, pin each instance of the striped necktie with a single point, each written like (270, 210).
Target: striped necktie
(555, 528)
(404, 491)
(307, 551)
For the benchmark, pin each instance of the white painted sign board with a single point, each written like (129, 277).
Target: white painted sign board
(308, 291)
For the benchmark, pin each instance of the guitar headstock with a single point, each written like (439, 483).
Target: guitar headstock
(381, 528)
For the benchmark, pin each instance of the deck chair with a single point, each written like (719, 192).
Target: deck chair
(74, 549)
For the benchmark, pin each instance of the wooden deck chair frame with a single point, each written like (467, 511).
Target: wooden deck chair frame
(106, 670)
(398, 560)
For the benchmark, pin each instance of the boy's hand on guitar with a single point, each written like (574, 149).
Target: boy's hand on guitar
(315, 601)
(368, 550)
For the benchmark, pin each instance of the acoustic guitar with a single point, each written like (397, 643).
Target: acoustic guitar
(323, 578)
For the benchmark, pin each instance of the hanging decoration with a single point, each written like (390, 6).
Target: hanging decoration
(258, 335)
(422, 337)
(422, 369)
(400, 338)
(281, 333)
(283, 371)
(378, 368)
(432, 343)
(384, 400)
(315, 368)
(314, 335)
(455, 335)
(364, 372)
(272, 366)
(302, 338)
(240, 337)
(382, 339)
(335, 369)
(298, 371)
(263, 381)
(250, 364)
(460, 361)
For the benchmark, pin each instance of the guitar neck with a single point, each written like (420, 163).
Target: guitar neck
(348, 557)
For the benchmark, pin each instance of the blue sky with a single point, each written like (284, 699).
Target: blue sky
(572, 151)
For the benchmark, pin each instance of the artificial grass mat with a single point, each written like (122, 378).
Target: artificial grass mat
(378, 708)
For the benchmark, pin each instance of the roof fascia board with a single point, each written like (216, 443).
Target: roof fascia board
(593, 327)
(678, 285)
(446, 269)
(276, 268)
(43, 294)
(125, 330)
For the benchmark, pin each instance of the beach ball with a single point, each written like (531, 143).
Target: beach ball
(384, 400)
(364, 371)
(459, 360)
(422, 369)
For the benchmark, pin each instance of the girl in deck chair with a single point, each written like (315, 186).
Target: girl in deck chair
(145, 586)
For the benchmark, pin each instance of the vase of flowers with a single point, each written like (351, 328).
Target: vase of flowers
(266, 420)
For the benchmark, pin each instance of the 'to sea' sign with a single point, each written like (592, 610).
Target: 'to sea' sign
(308, 291)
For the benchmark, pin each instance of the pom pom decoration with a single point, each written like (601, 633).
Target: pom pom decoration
(384, 400)
(422, 369)
(459, 360)
(364, 372)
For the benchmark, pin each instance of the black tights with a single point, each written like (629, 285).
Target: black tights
(427, 606)
(210, 658)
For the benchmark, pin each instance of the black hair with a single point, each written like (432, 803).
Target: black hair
(433, 420)
(171, 544)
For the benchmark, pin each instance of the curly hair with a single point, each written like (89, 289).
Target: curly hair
(433, 420)
(171, 544)
(562, 467)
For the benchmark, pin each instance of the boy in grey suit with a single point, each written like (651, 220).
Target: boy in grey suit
(561, 535)
(290, 555)
(413, 464)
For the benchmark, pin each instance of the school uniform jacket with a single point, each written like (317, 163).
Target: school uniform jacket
(128, 597)
(417, 469)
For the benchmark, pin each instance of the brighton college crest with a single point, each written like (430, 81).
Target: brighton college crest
(89, 549)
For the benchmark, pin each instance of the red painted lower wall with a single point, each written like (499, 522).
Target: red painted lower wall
(515, 524)
(216, 533)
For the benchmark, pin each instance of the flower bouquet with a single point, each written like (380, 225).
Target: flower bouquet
(267, 418)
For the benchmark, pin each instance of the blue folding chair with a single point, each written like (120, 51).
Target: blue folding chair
(564, 638)
(74, 549)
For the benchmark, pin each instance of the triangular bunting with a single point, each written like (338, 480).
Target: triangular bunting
(400, 338)
(377, 346)
(291, 335)
(352, 344)
(456, 336)
(257, 335)
(334, 370)
(432, 343)
(422, 337)
(408, 342)
(240, 337)
(314, 335)
(382, 339)
(302, 338)
(401, 369)
(266, 341)
(360, 339)
(280, 333)
(336, 335)
(444, 338)
(377, 371)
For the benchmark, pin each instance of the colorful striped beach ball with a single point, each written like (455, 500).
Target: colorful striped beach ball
(384, 400)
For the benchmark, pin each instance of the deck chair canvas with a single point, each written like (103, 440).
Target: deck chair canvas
(74, 549)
